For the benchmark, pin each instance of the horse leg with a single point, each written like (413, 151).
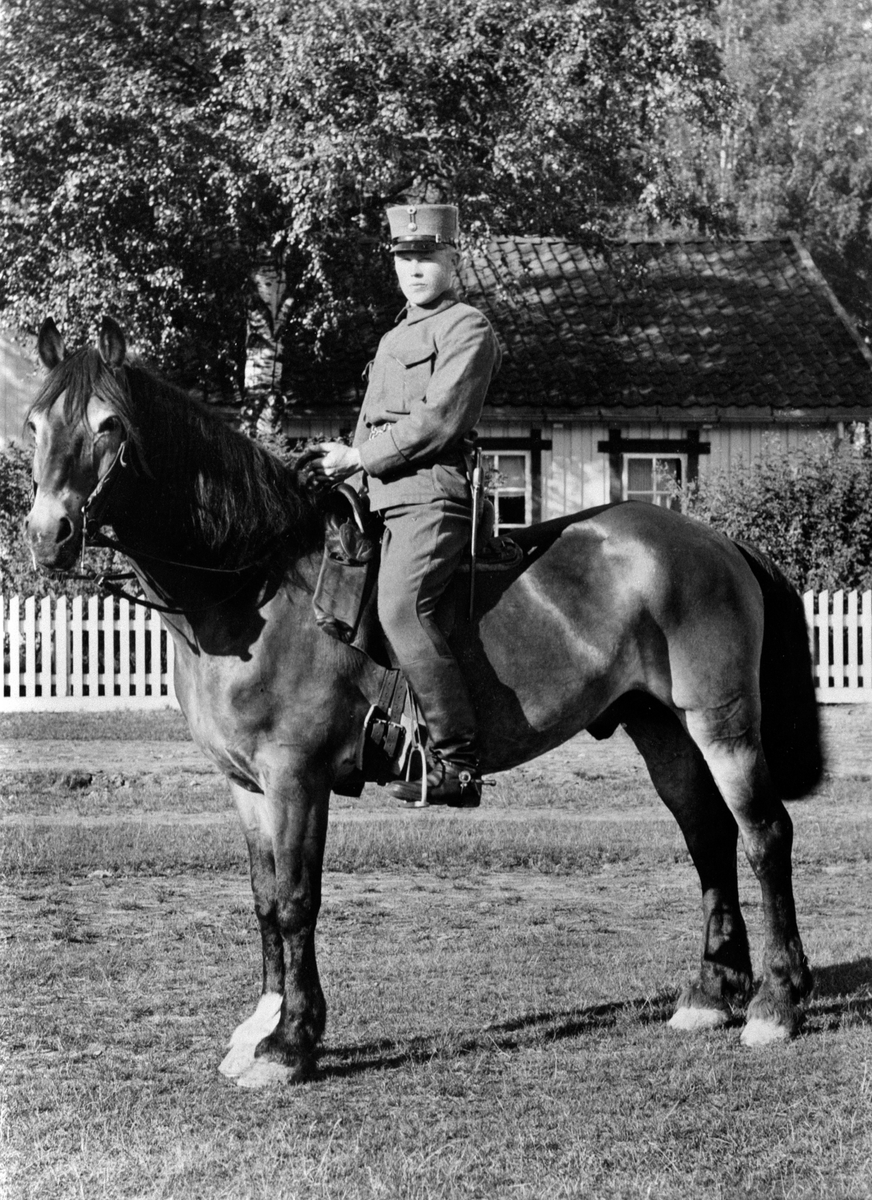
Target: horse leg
(246, 1037)
(729, 738)
(684, 783)
(295, 816)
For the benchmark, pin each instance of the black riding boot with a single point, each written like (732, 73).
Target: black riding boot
(452, 753)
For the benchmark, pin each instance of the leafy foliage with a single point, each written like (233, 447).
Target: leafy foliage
(15, 475)
(127, 191)
(158, 151)
(810, 509)
(798, 152)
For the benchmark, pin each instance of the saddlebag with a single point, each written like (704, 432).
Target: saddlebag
(348, 568)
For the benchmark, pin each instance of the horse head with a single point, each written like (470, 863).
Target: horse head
(78, 429)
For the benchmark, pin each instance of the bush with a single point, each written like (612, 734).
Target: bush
(809, 509)
(16, 573)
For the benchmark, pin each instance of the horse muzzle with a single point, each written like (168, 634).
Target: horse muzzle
(53, 534)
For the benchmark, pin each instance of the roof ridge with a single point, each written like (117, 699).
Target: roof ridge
(695, 240)
(814, 270)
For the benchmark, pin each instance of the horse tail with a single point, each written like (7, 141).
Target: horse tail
(790, 725)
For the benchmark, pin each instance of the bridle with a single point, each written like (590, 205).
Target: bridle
(96, 503)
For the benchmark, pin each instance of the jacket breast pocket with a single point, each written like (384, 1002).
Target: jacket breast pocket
(417, 379)
(406, 380)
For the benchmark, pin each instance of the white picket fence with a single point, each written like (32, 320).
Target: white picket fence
(74, 655)
(840, 632)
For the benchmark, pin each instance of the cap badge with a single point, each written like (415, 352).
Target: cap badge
(413, 212)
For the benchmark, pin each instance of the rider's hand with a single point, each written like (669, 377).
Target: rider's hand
(332, 462)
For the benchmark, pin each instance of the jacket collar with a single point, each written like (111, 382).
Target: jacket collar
(419, 312)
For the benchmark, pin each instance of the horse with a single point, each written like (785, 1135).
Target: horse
(629, 614)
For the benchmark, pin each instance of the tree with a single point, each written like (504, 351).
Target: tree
(154, 152)
(123, 187)
(798, 153)
(548, 121)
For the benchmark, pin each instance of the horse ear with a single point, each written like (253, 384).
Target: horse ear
(50, 345)
(112, 346)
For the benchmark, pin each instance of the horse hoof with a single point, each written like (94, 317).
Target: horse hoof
(765, 1031)
(689, 1020)
(247, 1036)
(237, 1060)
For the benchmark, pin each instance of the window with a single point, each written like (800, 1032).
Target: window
(508, 483)
(647, 477)
(637, 465)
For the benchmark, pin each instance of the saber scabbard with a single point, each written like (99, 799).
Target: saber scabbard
(477, 489)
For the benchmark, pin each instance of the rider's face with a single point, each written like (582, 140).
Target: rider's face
(424, 276)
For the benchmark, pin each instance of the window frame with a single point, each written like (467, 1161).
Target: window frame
(651, 456)
(532, 443)
(493, 493)
(618, 444)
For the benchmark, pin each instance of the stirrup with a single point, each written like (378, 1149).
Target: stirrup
(421, 801)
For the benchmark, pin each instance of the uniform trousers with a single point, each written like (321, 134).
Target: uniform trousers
(423, 545)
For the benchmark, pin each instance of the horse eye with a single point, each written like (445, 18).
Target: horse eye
(108, 425)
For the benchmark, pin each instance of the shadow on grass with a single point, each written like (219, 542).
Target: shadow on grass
(846, 989)
(513, 1034)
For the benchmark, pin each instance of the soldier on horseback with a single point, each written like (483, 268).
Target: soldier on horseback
(413, 443)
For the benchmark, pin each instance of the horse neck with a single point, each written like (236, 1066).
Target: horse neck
(206, 499)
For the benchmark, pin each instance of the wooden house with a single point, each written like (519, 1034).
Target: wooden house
(665, 357)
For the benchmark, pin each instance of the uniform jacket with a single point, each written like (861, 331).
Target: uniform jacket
(426, 390)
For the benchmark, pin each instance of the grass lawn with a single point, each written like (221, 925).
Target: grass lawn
(162, 725)
(498, 986)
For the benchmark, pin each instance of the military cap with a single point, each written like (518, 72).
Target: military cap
(422, 227)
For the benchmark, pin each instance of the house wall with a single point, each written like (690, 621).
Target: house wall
(575, 473)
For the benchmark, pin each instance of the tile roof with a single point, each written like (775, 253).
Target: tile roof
(748, 324)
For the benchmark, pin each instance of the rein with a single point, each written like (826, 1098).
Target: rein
(92, 514)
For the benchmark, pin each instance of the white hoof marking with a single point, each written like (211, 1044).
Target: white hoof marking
(245, 1037)
(690, 1019)
(764, 1032)
(263, 1073)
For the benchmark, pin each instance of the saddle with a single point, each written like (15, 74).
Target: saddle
(349, 567)
(393, 738)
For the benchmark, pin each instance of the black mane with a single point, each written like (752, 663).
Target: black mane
(226, 494)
